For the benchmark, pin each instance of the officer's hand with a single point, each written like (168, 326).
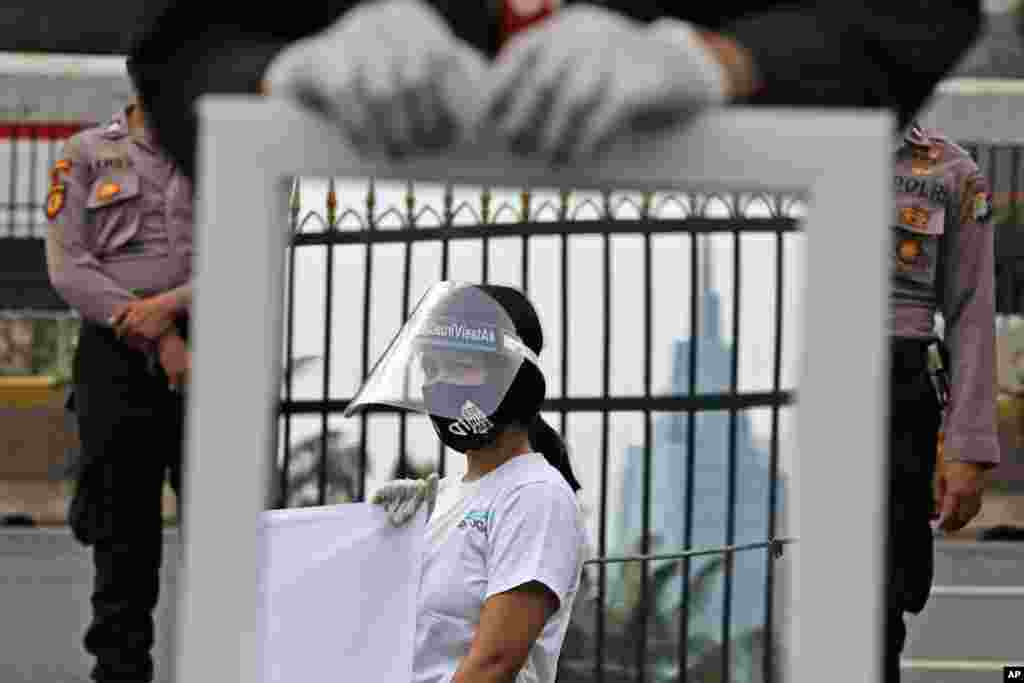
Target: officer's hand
(401, 498)
(958, 491)
(149, 318)
(567, 88)
(176, 360)
(390, 73)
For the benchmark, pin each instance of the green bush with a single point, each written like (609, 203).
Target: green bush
(53, 347)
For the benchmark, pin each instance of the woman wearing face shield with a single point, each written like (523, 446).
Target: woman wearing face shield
(505, 543)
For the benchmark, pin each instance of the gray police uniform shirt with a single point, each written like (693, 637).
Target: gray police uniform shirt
(120, 215)
(943, 260)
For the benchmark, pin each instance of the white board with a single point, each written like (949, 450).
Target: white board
(339, 586)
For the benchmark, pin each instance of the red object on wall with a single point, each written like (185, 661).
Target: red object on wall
(40, 130)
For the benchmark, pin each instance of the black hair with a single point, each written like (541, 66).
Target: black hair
(529, 385)
(545, 440)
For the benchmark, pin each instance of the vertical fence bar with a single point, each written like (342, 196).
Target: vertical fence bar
(602, 534)
(371, 225)
(33, 170)
(773, 468)
(691, 447)
(485, 219)
(332, 219)
(564, 303)
(730, 524)
(12, 197)
(410, 224)
(645, 536)
(449, 220)
(525, 264)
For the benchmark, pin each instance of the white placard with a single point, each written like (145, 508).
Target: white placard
(339, 590)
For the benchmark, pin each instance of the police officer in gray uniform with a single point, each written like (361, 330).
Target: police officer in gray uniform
(119, 252)
(942, 261)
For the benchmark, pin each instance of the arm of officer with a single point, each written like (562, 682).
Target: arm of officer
(971, 444)
(969, 311)
(74, 270)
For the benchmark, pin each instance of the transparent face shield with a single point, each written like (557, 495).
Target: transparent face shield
(459, 345)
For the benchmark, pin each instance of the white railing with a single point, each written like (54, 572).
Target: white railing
(841, 160)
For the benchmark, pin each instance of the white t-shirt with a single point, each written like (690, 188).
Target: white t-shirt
(518, 523)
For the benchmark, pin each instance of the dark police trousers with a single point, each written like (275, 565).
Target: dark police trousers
(914, 417)
(131, 427)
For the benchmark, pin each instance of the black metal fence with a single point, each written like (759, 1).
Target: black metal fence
(1004, 167)
(688, 472)
(29, 151)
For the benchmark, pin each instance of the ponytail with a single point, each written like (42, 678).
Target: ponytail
(549, 443)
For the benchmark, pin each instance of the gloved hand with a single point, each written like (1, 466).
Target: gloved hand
(403, 497)
(565, 89)
(390, 73)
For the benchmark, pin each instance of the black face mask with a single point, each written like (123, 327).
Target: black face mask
(474, 429)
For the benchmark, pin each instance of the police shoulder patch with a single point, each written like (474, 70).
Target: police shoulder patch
(55, 201)
(108, 190)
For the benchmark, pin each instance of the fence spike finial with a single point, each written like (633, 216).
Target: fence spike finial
(371, 204)
(410, 204)
(485, 205)
(332, 204)
(295, 203)
(563, 204)
(606, 204)
(449, 204)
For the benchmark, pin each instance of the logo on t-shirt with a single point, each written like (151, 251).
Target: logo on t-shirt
(476, 519)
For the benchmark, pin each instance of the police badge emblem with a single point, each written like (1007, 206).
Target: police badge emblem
(108, 191)
(908, 251)
(915, 217)
(923, 159)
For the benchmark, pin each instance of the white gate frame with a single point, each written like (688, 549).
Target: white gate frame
(249, 149)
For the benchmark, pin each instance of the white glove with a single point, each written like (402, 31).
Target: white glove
(401, 498)
(567, 88)
(390, 73)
